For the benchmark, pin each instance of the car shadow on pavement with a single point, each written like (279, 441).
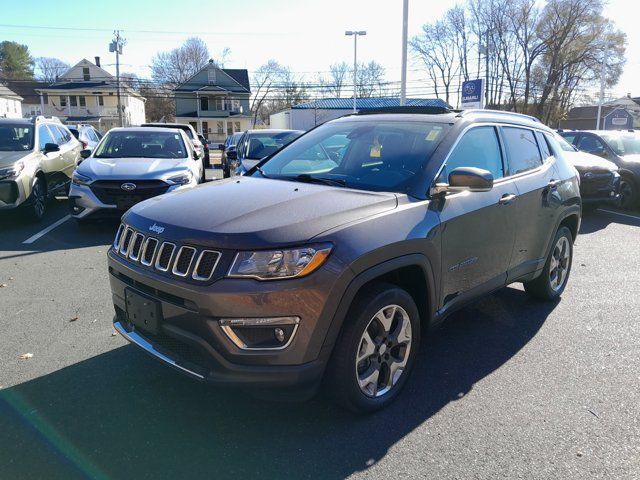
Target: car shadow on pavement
(122, 415)
(599, 220)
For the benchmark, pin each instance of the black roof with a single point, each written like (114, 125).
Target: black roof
(240, 75)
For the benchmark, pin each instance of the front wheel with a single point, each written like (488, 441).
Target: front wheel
(38, 203)
(628, 193)
(555, 274)
(376, 349)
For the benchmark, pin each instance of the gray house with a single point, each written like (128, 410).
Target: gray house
(215, 101)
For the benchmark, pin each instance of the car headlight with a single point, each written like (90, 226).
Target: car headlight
(79, 179)
(182, 179)
(279, 264)
(12, 171)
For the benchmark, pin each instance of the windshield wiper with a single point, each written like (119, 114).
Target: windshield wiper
(305, 177)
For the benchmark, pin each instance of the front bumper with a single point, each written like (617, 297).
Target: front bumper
(600, 188)
(12, 193)
(190, 338)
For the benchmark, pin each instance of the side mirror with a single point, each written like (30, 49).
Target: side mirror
(221, 147)
(86, 153)
(195, 155)
(51, 147)
(465, 179)
(232, 154)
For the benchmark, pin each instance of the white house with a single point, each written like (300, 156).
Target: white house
(10, 103)
(305, 116)
(31, 105)
(86, 93)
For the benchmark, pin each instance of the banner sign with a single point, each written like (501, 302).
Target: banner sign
(618, 119)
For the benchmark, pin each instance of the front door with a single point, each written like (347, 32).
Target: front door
(477, 227)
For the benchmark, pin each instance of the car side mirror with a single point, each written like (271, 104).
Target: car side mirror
(463, 179)
(232, 154)
(221, 147)
(51, 147)
(195, 155)
(86, 153)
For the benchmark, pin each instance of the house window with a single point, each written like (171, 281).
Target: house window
(204, 103)
(85, 74)
(63, 101)
(219, 103)
(236, 105)
(82, 100)
(74, 100)
(211, 74)
(229, 128)
(220, 128)
(100, 101)
(237, 126)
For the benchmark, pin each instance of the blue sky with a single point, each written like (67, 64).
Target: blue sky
(305, 35)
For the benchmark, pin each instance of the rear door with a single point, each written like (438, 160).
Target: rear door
(532, 166)
(478, 228)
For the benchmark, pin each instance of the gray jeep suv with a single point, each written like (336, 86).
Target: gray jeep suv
(332, 256)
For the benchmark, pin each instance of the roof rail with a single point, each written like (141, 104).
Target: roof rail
(406, 109)
(42, 118)
(498, 112)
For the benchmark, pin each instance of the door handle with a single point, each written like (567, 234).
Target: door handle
(554, 183)
(507, 198)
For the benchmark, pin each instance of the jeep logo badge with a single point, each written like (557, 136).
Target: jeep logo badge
(128, 187)
(156, 228)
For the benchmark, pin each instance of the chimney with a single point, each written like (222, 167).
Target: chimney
(97, 61)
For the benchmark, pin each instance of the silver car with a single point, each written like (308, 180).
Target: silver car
(130, 165)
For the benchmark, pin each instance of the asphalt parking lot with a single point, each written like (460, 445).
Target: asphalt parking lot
(507, 388)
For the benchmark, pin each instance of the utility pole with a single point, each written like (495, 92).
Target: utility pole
(355, 34)
(403, 75)
(116, 46)
(486, 71)
(603, 74)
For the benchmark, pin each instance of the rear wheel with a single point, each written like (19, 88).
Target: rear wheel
(555, 274)
(38, 202)
(203, 174)
(628, 193)
(376, 349)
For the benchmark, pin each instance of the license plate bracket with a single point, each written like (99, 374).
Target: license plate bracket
(143, 311)
(125, 202)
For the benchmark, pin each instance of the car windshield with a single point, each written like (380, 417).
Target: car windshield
(140, 144)
(623, 144)
(264, 144)
(233, 139)
(367, 155)
(15, 137)
(566, 146)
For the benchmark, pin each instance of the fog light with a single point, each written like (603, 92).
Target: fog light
(272, 333)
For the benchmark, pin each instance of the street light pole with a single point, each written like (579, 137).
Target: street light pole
(355, 34)
(603, 71)
(403, 74)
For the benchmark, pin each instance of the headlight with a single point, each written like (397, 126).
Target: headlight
(79, 179)
(279, 264)
(181, 179)
(12, 171)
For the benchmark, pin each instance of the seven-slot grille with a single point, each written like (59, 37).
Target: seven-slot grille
(185, 261)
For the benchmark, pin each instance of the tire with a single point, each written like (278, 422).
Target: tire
(353, 384)
(629, 194)
(549, 285)
(203, 174)
(38, 201)
(226, 173)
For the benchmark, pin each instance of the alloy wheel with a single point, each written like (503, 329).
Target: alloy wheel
(626, 194)
(383, 351)
(38, 200)
(559, 267)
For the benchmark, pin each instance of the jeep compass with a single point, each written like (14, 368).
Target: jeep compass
(331, 257)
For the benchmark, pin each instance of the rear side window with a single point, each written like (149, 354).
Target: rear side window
(478, 148)
(545, 149)
(44, 137)
(522, 149)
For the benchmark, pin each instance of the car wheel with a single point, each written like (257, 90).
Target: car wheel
(203, 174)
(628, 193)
(555, 274)
(376, 349)
(38, 203)
(226, 173)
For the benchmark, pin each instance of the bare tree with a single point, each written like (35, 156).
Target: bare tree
(369, 79)
(178, 65)
(265, 83)
(48, 69)
(335, 83)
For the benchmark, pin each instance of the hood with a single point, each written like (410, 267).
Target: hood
(587, 161)
(130, 168)
(248, 213)
(9, 158)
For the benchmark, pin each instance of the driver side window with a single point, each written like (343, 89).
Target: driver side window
(478, 148)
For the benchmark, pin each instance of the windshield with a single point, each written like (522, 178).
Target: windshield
(566, 146)
(129, 144)
(367, 155)
(623, 144)
(262, 145)
(15, 137)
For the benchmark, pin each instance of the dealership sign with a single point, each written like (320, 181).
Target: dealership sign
(618, 119)
(473, 94)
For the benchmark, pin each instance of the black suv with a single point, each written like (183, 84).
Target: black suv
(620, 147)
(332, 256)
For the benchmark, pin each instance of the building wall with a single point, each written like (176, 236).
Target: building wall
(10, 108)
